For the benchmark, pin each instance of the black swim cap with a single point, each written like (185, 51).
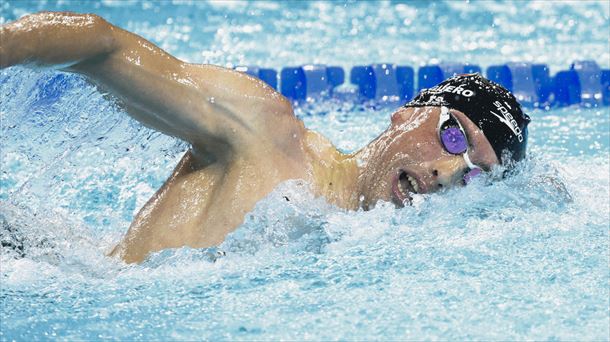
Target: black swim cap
(489, 105)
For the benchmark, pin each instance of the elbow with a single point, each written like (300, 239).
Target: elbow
(74, 26)
(95, 21)
(94, 26)
(48, 18)
(101, 35)
(55, 38)
(104, 30)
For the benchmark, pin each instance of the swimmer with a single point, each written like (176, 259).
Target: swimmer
(245, 138)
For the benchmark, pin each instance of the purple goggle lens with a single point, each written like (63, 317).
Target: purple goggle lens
(471, 174)
(453, 140)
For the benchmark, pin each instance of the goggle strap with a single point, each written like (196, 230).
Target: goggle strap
(468, 162)
(444, 117)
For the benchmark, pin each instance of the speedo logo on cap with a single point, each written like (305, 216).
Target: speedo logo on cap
(452, 89)
(508, 119)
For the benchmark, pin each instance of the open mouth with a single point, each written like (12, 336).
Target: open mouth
(403, 186)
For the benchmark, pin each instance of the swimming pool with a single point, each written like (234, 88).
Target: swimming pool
(525, 258)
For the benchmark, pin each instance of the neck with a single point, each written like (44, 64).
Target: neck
(335, 175)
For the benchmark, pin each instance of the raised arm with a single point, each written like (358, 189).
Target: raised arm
(215, 109)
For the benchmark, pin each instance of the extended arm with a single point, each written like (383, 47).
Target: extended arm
(213, 108)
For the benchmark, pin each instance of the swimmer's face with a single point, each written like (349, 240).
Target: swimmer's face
(409, 157)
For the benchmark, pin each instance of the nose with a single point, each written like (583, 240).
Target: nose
(447, 172)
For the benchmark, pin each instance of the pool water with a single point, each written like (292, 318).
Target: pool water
(524, 258)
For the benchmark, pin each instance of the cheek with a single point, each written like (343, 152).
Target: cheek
(428, 151)
(420, 145)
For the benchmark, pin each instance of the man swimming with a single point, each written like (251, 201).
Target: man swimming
(245, 138)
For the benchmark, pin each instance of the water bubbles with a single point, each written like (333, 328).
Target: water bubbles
(507, 49)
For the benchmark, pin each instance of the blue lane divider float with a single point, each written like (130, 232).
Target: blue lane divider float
(309, 81)
(336, 76)
(269, 76)
(383, 81)
(584, 83)
(543, 83)
(605, 80)
(430, 75)
(530, 83)
(566, 88)
(589, 77)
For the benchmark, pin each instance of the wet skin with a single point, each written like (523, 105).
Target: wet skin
(245, 138)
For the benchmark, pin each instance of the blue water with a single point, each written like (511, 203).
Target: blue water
(525, 258)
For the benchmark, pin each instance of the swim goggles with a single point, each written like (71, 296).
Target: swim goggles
(453, 138)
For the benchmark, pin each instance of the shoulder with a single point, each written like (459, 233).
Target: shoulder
(236, 85)
(260, 112)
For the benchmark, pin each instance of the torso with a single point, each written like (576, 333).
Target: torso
(199, 206)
